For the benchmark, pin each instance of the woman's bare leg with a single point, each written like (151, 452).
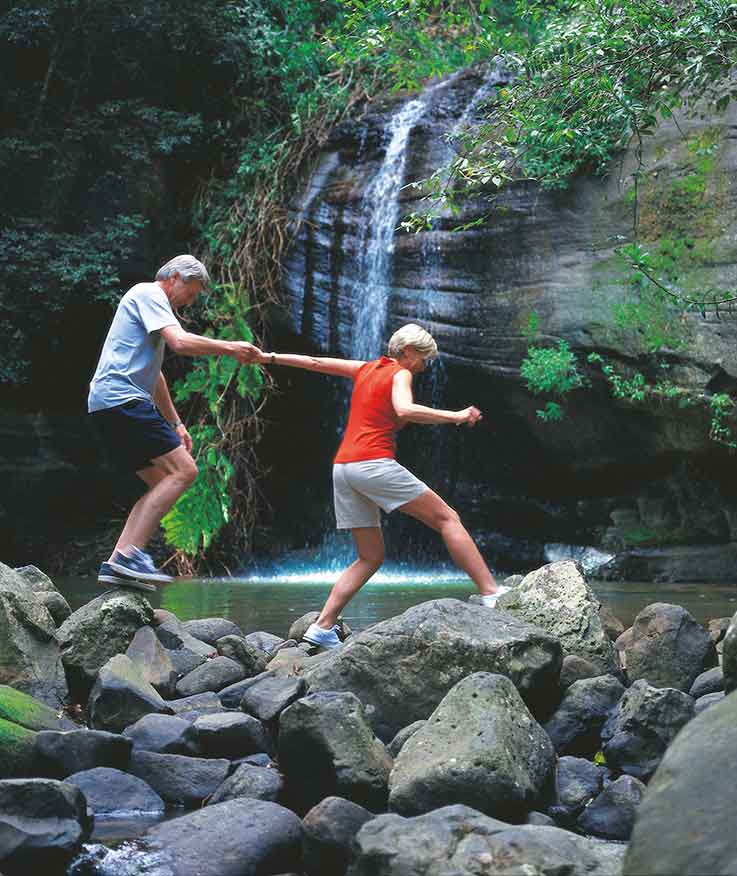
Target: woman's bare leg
(438, 515)
(370, 547)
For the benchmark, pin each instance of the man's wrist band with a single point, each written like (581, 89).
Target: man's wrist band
(273, 358)
(176, 424)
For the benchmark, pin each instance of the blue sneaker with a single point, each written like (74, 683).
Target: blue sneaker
(323, 638)
(139, 566)
(107, 575)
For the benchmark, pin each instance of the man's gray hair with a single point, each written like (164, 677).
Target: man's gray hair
(412, 335)
(187, 267)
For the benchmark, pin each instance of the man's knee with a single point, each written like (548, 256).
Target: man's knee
(186, 471)
(374, 557)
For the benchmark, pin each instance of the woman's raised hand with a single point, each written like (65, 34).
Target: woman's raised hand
(469, 416)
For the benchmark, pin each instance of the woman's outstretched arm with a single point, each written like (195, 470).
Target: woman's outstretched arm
(321, 364)
(409, 412)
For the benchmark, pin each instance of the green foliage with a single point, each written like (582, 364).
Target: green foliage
(722, 408)
(551, 371)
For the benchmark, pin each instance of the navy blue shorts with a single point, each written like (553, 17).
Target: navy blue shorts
(134, 433)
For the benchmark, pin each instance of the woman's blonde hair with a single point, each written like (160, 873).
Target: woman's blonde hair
(412, 335)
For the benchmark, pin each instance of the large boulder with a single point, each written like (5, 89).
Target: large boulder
(557, 598)
(21, 716)
(112, 792)
(576, 724)
(327, 748)
(64, 753)
(328, 834)
(153, 661)
(178, 779)
(237, 648)
(709, 682)
(210, 629)
(46, 592)
(163, 734)
(29, 652)
(231, 735)
(121, 696)
(460, 841)
(267, 695)
(480, 747)
(191, 708)
(642, 726)
(685, 822)
(402, 668)
(98, 631)
(213, 675)
(43, 824)
(242, 837)
(250, 780)
(612, 814)
(667, 648)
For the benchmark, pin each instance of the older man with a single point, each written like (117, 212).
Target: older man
(130, 402)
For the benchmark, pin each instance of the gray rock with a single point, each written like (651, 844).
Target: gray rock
(299, 627)
(192, 708)
(327, 748)
(112, 792)
(98, 631)
(717, 628)
(403, 667)
(210, 629)
(458, 840)
(267, 642)
(575, 725)
(708, 682)
(237, 648)
(46, 592)
(163, 734)
(612, 814)
(179, 780)
(668, 648)
(21, 716)
(575, 669)
(578, 782)
(121, 696)
(184, 651)
(708, 700)
(242, 837)
(480, 747)
(43, 824)
(642, 726)
(267, 695)
(64, 753)
(231, 735)
(539, 819)
(685, 823)
(729, 656)
(162, 616)
(29, 653)
(328, 834)
(33, 714)
(557, 598)
(213, 675)
(153, 661)
(396, 745)
(295, 660)
(258, 782)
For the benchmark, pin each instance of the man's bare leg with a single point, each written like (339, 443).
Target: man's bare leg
(167, 477)
(438, 515)
(369, 542)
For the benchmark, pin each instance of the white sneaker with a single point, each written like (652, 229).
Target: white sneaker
(489, 600)
(324, 638)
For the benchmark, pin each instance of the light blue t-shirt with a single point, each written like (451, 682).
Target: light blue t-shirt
(131, 357)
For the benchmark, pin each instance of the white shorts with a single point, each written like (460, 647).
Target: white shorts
(361, 488)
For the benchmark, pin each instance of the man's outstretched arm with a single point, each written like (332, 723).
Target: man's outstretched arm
(187, 344)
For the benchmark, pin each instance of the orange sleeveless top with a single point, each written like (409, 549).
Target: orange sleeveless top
(372, 421)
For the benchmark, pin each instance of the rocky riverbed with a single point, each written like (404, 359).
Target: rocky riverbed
(539, 737)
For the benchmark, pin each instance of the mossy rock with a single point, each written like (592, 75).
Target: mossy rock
(30, 713)
(18, 756)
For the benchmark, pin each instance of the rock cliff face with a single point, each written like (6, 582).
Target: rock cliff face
(637, 478)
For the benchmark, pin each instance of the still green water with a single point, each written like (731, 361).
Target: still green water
(272, 604)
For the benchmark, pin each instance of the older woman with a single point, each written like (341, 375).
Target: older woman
(367, 477)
